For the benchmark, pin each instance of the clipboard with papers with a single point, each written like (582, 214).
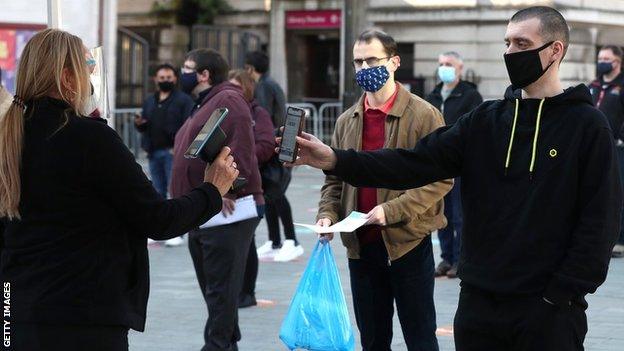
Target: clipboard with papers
(245, 208)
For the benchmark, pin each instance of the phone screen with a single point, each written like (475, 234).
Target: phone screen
(288, 147)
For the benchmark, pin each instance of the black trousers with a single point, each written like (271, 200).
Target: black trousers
(408, 282)
(219, 255)
(486, 321)
(251, 270)
(47, 337)
(276, 209)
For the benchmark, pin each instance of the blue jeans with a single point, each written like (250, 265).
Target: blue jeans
(450, 237)
(160, 169)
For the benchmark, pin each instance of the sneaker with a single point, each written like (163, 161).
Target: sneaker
(443, 268)
(151, 242)
(265, 248)
(177, 241)
(246, 300)
(267, 252)
(288, 252)
(452, 273)
(618, 251)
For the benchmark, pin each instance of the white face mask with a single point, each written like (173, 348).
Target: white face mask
(97, 103)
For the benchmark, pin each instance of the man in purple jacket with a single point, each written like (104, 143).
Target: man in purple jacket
(219, 253)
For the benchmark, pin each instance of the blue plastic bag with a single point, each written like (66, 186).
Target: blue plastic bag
(317, 319)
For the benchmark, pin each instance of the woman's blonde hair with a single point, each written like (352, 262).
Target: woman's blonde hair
(40, 73)
(247, 83)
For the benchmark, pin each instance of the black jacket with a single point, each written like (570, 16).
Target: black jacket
(271, 96)
(550, 232)
(79, 254)
(462, 100)
(609, 98)
(164, 119)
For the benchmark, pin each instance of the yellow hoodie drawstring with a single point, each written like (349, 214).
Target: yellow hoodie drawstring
(513, 132)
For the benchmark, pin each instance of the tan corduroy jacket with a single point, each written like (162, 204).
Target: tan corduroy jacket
(410, 215)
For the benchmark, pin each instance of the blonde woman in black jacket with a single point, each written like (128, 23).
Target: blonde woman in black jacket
(77, 210)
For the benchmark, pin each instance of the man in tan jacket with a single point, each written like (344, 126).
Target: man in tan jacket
(391, 259)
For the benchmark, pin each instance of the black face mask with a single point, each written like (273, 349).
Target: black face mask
(166, 87)
(525, 67)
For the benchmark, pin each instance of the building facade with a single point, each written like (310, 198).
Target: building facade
(305, 44)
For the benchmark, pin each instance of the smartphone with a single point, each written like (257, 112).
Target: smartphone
(210, 139)
(295, 119)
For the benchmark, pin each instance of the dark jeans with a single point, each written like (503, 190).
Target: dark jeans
(251, 267)
(219, 255)
(408, 282)
(160, 170)
(45, 337)
(450, 237)
(275, 210)
(620, 153)
(486, 321)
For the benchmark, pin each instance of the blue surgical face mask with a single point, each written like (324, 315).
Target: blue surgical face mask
(372, 79)
(188, 82)
(446, 74)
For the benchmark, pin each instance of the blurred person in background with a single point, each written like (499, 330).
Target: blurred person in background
(265, 143)
(76, 210)
(608, 94)
(162, 115)
(271, 97)
(454, 97)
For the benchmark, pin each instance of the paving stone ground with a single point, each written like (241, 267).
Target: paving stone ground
(177, 313)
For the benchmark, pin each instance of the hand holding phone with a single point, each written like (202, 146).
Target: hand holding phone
(295, 118)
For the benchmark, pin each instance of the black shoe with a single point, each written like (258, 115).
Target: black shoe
(246, 300)
(443, 267)
(452, 273)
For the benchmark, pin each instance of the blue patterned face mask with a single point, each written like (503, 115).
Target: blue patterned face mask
(372, 79)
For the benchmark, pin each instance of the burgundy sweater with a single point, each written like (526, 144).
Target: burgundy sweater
(188, 174)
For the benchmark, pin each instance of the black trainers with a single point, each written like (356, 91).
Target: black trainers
(442, 269)
(452, 273)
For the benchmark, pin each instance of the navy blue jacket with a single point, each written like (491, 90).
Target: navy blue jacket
(178, 105)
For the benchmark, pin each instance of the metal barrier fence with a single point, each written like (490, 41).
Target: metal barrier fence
(124, 125)
(319, 122)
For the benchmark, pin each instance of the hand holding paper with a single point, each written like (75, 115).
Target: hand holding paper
(349, 224)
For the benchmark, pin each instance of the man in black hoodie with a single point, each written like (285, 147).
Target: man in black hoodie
(454, 97)
(608, 94)
(541, 194)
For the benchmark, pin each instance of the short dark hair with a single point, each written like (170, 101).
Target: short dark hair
(258, 60)
(211, 60)
(552, 24)
(166, 66)
(388, 43)
(616, 50)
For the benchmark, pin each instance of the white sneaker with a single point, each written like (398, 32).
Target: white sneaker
(265, 248)
(288, 252)
(150, 241)
(266, 251)
(173, 242)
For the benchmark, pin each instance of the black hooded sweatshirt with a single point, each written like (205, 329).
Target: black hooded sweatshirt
(542, 224)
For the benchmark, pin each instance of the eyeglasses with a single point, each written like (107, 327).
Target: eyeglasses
(370, 61)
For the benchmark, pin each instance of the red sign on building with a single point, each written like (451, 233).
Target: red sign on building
(323, 19)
